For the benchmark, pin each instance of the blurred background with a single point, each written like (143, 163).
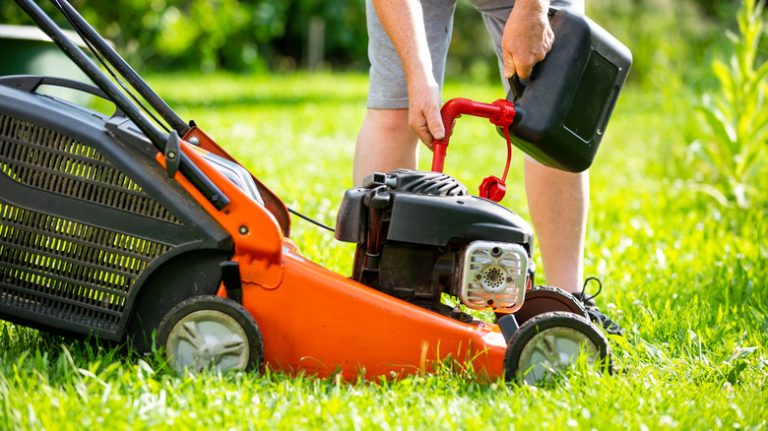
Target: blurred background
(265, 35)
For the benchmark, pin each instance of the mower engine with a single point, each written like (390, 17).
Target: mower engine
(420, 234)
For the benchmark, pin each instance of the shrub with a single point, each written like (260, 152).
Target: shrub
(729, 153)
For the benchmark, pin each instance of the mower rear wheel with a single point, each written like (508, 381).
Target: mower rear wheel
(545, 299)
(549, 343)
(209, 332)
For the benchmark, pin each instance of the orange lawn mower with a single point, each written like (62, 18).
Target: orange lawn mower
(130, 227)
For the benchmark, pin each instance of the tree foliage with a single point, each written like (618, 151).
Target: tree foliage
(732, 142)
(247, 35)
(220, 34)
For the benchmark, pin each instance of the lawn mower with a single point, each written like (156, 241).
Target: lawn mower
(137, 227)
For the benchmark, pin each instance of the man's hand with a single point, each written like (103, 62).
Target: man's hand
(527, 37)
(424, 110)
(404, 23)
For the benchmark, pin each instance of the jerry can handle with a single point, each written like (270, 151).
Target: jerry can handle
(516, 88)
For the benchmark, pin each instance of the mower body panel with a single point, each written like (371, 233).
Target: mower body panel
(341, 326)
(87, 219)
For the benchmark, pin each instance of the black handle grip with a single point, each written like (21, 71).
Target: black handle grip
(516, 88)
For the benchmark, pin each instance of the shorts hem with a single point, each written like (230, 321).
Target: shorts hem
(381, 103)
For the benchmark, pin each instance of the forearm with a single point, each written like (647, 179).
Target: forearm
(404, 23)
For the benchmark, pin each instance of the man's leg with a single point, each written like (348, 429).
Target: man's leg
(385, 142)
(558, 202)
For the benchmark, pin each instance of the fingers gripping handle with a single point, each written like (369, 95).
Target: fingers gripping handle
(500, 113)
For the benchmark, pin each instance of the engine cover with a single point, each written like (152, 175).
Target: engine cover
(419, 234)
(429, 208)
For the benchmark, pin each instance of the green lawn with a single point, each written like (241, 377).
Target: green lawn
(685, 278)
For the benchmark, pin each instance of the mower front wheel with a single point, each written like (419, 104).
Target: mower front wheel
(549, 343)
(210, 333)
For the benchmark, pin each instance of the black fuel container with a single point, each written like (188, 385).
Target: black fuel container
(564, 106)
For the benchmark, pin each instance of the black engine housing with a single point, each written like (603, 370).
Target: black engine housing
(410, 228)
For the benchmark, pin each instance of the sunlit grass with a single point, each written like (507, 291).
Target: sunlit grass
(686, 280)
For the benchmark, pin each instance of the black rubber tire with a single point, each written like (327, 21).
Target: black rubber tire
(241, 316)
(551, 320)
(195, 273)
(546, 299)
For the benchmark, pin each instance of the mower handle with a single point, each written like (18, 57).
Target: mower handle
(500, 113)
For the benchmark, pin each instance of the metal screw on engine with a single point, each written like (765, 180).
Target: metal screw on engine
(243, 230)
(171, 155)
(194, 140)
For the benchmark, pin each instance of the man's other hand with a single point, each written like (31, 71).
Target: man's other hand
(527, 37)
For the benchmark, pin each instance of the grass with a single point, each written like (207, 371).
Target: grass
(687, 280)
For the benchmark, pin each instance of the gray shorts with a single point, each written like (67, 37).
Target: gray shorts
(388, 89)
